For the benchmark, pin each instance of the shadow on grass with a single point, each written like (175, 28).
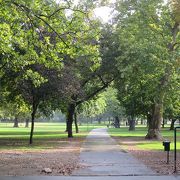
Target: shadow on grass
(38, 144)
(27, 133)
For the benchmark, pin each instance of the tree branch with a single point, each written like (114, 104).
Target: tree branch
(26, 9)
(101, 79)
(94, 93)
(3, 65)
(63, 8)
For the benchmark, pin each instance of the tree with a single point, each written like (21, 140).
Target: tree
(90, 71)
(172, 104)
(42, 36)
(93, 107)
(113, 108)
(148, 36)
(15, 109)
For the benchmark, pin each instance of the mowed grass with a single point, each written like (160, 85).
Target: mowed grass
(137, 138)
(46, 136)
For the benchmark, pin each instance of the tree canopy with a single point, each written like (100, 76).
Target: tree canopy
(55, 55)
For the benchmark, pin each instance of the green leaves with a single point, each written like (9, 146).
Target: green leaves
(35, 77)
(144, 30)
(47, 50)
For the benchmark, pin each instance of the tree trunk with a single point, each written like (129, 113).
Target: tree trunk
(70, 114)
(172, 124)
(149, 119)
(109, 119)
(16, 125)
(116, 123)
(155, 122)
(66, 130)
(75, 122)
(32, 127)
(34, 109)
(132, 124)
(27, 123)
(99, 120)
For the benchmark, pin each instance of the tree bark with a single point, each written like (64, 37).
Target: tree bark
(34, 109)
(16, 125)
(66, 130)
(116, 123)
(27, 123)
(75, 122)
(172, 124)
(70, 114)
(149, 119)
(132, 124)
(155, 122)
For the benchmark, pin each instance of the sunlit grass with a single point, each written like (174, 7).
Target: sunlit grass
(137, 138)
(46, 136)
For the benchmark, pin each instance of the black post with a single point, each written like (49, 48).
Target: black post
(175, 154)
(167, 157)
(174, 150)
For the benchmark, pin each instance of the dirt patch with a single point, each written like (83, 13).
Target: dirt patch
(156, 160)
(62, 160)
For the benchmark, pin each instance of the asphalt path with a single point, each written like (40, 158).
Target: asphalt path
(102, 156)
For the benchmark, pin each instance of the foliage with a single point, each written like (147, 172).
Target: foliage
(40, 41)
(148, 36)
(113, 106)
(15, 109)
(93, 108)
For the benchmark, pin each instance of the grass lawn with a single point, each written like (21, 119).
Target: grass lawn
(46, 136)
(136, 138)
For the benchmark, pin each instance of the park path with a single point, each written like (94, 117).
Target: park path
(103, 160)
(102, 156)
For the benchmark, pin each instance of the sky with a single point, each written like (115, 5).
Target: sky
(104, 13)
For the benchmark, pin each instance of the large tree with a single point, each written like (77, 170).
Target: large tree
(44, 36)
(148, 33)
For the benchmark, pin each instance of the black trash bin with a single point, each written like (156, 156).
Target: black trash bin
(166, 145)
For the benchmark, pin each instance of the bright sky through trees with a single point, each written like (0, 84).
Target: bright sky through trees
(104, 13)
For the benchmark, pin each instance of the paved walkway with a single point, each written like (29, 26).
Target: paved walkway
(103, 160)
(101, 155)
(90, 178)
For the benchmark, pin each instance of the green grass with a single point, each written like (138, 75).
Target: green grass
(137, 138)
(46, 136)
(52, 135)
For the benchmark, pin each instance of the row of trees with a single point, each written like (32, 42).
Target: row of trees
(50, 57)
(57, 55)
(148, 38)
